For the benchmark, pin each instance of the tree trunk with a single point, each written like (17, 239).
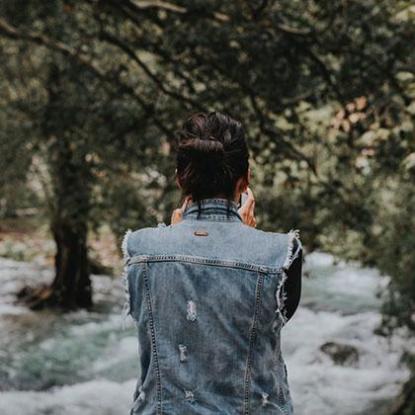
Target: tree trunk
(70, 208)
(71, 287)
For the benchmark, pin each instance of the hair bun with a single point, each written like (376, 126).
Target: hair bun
(212, 155)
(209, 146)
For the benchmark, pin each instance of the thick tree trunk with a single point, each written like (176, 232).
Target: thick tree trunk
(71, 287)
(70, 208)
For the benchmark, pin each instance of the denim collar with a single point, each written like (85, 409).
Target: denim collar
(213, 209)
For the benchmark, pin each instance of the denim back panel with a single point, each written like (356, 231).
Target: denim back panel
(207, 308)
(228, 241)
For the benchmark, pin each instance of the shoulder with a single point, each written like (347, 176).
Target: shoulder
(133, 240)
(287, 239)
(280, 247)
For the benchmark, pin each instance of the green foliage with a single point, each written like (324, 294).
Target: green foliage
(325, 89)
(395, 247)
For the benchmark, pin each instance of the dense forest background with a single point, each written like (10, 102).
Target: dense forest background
(92, 92)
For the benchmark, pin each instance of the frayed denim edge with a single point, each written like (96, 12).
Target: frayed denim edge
(126, 311)
(281, 295)
(292, 234)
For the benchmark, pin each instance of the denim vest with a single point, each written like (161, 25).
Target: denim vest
(207, 297)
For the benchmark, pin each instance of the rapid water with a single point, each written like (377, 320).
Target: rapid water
(84, 363)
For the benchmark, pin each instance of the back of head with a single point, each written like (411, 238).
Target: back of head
(212, 155)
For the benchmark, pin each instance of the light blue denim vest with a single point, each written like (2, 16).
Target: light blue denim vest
(208, 301)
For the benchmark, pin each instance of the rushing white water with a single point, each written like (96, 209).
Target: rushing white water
(84, 363)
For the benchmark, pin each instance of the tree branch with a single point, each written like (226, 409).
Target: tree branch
(127, 50)
(42, 40)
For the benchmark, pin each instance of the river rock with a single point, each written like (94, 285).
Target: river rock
(341, 354)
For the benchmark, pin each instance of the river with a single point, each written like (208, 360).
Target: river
(84, 363)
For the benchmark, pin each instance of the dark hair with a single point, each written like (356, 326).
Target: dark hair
(212, 155)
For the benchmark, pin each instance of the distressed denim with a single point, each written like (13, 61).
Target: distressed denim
(207, 298)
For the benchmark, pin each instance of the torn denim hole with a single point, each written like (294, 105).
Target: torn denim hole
(265, 398)
(183, 352)
(191, 310)
(189, 396)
